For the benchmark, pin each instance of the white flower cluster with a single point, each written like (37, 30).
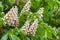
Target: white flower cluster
(11, 17)
(40, 11)
(33, 27)
(26, 7)
(30, 29)
(26, 26)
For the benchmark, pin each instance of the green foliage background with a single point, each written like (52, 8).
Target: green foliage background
(50, 20)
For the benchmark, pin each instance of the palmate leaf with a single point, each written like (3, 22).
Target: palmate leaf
(49, 34)
(13, 31)
(35, 5)
(40, 31)
(43, 27)
(5, 37)
(1, 14)
(58, 30)
(11, 1)
(13, 37)
(1, 6)
(51, 30)
(22, 34)
(1, 22)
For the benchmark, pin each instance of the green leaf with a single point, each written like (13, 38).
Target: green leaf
(1, 6)
(49, 34)
(5, 37)
(1, 22)
(15, 31)
(22, 33)
(13, 37)
(11, 1)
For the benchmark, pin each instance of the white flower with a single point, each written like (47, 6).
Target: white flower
(33, 27)
(57, 37)
(26, 7)
(40, 11)
(30, 29)
(26, 26)
(11, 17)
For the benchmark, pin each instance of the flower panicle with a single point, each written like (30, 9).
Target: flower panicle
(11, 17)
(30, 30)
(40, 11)
(33, 27)
(26, 7)
(26, 26)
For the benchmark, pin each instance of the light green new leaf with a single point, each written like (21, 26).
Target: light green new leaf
(5, 37)
(13, 37)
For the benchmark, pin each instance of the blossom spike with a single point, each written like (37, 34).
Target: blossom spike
(26, 7)
(33, 27)
(26, 26)
(11, 17)
(40, 11)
